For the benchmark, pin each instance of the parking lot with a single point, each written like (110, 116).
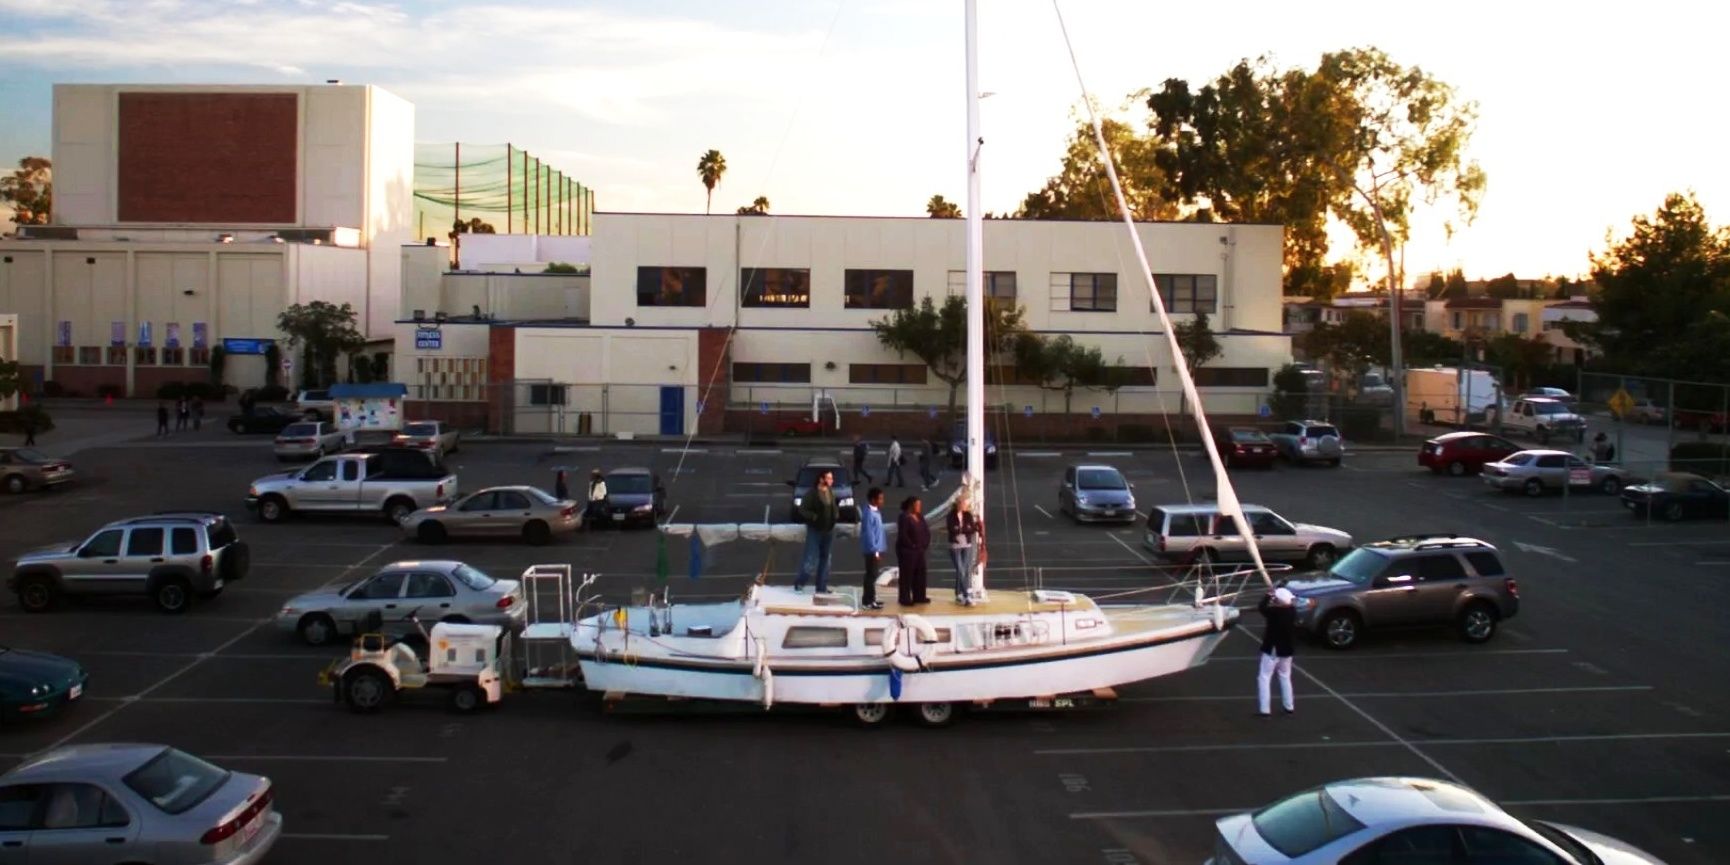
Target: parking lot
(1601, 705)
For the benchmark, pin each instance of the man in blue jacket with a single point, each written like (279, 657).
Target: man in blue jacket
(871, 543)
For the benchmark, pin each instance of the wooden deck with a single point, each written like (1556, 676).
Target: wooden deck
(844, 602)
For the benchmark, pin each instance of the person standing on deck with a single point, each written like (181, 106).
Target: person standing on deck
(819, 513)
(1276, 649)
(893, 475)
(860, 451)
(966, 533)
(912, 539)
(871, 544)
(561, 489)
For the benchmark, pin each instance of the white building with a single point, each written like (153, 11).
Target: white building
(186, 215)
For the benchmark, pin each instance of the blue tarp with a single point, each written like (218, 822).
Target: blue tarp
(381, 390)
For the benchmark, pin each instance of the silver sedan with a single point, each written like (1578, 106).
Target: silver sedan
(1535, 472)
(432, 591)
(497, 512)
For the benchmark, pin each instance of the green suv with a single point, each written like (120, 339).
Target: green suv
(172, 558)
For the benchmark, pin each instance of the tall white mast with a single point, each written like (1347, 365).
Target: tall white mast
(975, 277)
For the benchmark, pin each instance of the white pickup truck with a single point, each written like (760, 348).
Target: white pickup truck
(392, 483)
(1543, 418)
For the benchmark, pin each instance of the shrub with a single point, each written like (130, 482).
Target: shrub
(171, 390)
(110, 390)
(13, 421)
(205, 391)
(1711, 459)
(1360, 423)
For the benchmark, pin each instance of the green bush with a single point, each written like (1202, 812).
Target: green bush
(1711, 459)
(13, 421)
(1359, 423)
(206, 391)
(171, 390)
(113, 390)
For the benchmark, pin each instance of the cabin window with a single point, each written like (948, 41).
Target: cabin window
(873, 636)
(813, 637)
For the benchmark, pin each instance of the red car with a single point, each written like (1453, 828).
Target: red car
(1463, 453)
(798, 426)
(1244, 446)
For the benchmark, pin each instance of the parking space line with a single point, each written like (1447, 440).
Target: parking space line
(1676, 543)
(324, 836)
(1132, 550)
(1635, 800)
(217, 701)
(1365, 656)
(1041, 509)
(1712, 563)
(684, 450)
(1349, 744)
(328, 758)
(1366, 695)
(1110, 453)
(754, 452)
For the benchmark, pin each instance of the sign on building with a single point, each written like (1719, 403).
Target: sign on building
(233, 345)
(428, 339)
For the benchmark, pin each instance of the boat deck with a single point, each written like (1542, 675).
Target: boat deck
(782, 600)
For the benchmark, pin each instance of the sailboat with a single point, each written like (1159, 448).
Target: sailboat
(1038, 647)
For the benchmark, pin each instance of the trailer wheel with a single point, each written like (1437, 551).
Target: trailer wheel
(936, 714)
(467, 698)
(367, 690)
(871, 715)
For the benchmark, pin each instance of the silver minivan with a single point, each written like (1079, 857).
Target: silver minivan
(1186, 534)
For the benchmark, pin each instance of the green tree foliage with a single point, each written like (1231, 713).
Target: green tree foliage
(472, 225)
(1521, 358)
(1437, 284)
(941, 208)
(710, 166)
(1290, 393)
(1081, 189)
(11, 379)
(325, 331)
(1351, 347)
(1456, 285)
(1062, 365)
(562, 267)
(938, 336)
(759, 207)
(1424, 347)
(29, 190)
(1506, 287)
(1664, 293)
(1195, 338)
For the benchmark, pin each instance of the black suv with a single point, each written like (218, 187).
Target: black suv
(807, 481)
(1408, 581)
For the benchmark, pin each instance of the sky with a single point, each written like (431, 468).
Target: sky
(1589, 112)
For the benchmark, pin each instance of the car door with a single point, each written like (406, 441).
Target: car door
(319, 487)
(19, 804)
(1705, 499)
(1483, 845)
(1441, 581)
(1419, 845)
(1392, 594)
(1227, 541)
(475, 514)
(511, 511)
(382, 592)
(143, 553)
(1552, 469)
(99, 568)
(1277, 538)
(429, 596)
(80, 824)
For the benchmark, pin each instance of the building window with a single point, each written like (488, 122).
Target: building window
(63, 354)
(1231, 376)
(1188, 292)
(999, 285)
(547, 394)
(776, 286)
(886, 373)
(90, 355)
(117, 355)
(671, 286)
(1001, 375)
(879, 289)
(201, 357)
(772, 373)
(1457, 322)
(1135, 376)
(144, 355)
(1520, 322)
(1084, 292)
(174, 357)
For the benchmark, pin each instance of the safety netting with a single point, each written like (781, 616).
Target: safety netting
(495, 188)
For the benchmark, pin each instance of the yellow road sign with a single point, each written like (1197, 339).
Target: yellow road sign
(1621, 403)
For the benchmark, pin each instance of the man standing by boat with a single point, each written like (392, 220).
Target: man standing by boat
(819, 513)
(1276, 649)
(871, 543)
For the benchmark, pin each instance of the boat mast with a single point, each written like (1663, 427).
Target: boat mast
(975, 295)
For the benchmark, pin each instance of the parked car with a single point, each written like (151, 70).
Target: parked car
(497, 512)
(262, 419)
(1535, 472)
(393, 482)
(1185, 533)
(37, 685)
(1244, 446)
(1678, 496)
(1645, 411)
(635, 497)
(1702, 420)
(315, 405)
(807, 481)
(1410, 581)
(1463, 453)
(1555, 393)
(23, 469)
(310, 439)
(798, 426)
(429, 435)
(1304, 441)
(1373, 389)
(108, 804)
(1373, 821)
(444, 591)
(1097, 493)
(172, 558)
(1544, 417)
(958, 447)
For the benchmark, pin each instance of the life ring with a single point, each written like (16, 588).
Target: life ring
(913, 642)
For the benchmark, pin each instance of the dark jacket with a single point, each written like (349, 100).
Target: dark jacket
(860, 451)
(912, 535)
(1281, 626)
(960, 524)
(819, 510)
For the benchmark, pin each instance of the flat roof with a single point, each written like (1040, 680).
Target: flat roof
(926, 218)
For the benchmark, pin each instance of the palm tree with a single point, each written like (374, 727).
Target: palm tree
(940, 208)
(756, 208)
(710, 168)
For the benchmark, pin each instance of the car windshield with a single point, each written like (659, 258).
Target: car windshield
(808, 476)
(629, 484)
(1549, 408)
(1100, 479)
(421, 429)
(300, 429)
(222, 534)
(1300, 824)
(174, 781)
(542, 496)
(1359, 566)
(1518, 459)
(472, 577)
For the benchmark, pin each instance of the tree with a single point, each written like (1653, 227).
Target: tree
(29, 190)
(941, 208)
(473, 225)
(11, 379)
(938, 336)
(1195, 338)
(1660, 288)
(1081, 189)
(1290, 393)
(561, 267)
(1504, 287)
(760, 207)
(1519, 356)
(1437, 285)
(1424, 346)
(325, 331)
(710, 167)
(1456, 285)
(1062, 365)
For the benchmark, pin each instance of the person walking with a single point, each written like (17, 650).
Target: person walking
(925, 478)
(597, 496)
(860, 451)
(181, 414)
(871, 544)
(28, 418)
(819, 513)
(561, 488)
(1279, 609)
(893, 474)
(966, 533)
(197, 413)
(161, 420)
(912, 539)
(1602, 450)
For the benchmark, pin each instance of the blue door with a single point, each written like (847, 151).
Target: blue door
(672, 411)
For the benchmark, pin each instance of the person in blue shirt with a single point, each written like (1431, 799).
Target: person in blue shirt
(871, 543)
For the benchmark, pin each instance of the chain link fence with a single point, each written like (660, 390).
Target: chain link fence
(1679, 425)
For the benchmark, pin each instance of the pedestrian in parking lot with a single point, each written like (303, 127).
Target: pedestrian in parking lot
(966, 533)
(198, 413)
(1602, 450)
(597, 495)
(860, 451)
(161, 420)
(912, 539)
(925, 478)
(181, 414)
(819, 513)
(28, 418)
(893, 474)
(1278, 608)
(871, 544)
(561, 489)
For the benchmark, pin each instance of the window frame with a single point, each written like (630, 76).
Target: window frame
(1096, 288)
(1182, 292)
(759, 372)
(754, 283)
(906, 373)
(659, 292)
(808, 637)
(549, 394)
(857, 283)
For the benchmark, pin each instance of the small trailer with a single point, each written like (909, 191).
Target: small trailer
(466, 663)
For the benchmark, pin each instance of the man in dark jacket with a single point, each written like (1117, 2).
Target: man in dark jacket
(1277, 607)
(860, 452)
(820, 514)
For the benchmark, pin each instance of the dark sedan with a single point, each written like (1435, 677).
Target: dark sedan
(635, 497)
(263, 419)
(37, 684)
(1244, 446)
(1677, 496)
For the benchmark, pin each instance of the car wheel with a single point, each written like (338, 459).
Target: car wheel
(468, 698)
(396, 510)
(272, 509)
(1673, 512)
(1611, 485)
(366, 690)
(1477, 623)
(1533, 487)
(936, 714)
(870, 715)
(172, 595)
(1341, 629)
(1457, 469)
(37, 594)
(537, 533)
(316, 629)
(431, 532)
(1321, 557)
(15, 484)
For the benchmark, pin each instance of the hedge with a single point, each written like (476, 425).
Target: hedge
(1702, 458)
(190, 389)
(13, 421)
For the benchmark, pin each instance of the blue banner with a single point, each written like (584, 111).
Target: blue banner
(246, 346)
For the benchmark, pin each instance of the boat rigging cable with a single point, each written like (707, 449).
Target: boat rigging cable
(1227, 495)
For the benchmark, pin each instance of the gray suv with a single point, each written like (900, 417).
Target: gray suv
(1408, 581)
(171, 557)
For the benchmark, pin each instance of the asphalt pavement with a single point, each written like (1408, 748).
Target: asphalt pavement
(1600, 705)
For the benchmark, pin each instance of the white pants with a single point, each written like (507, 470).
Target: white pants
(1264, 677)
